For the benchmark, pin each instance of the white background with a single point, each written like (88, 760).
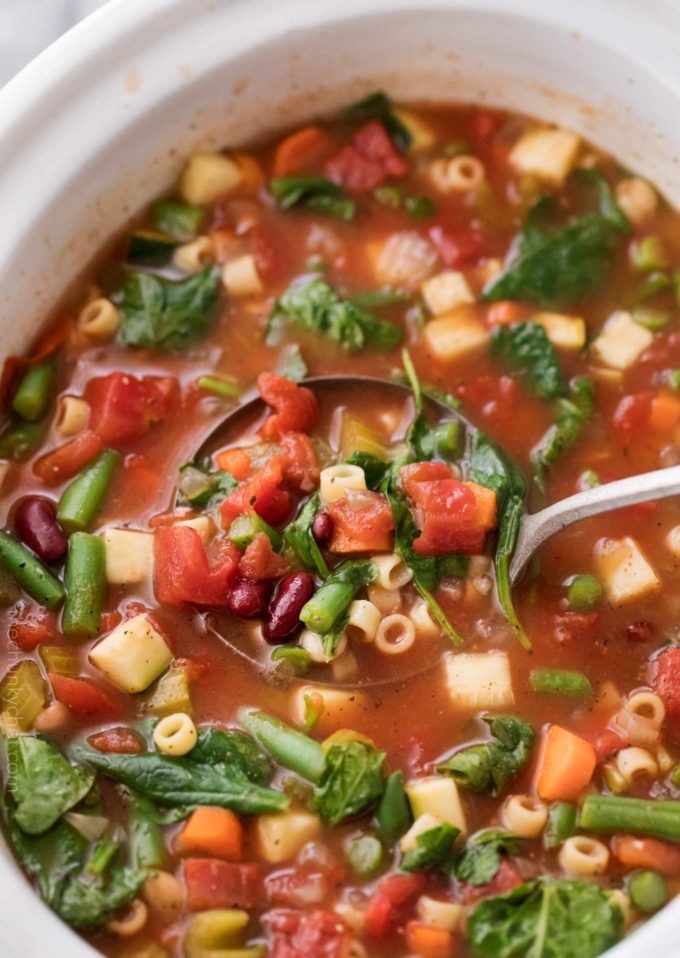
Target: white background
(28, 26)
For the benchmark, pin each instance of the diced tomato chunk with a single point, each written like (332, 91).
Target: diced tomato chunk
(261, 562)
(261, 494)
(300, 464)
(574, 626)
(606, 743)
(389, 902)
(183, 572)
(213, 883)
(447, 511)
(296, 407)
(368, 161)
(635, 852)
(119, 741)
(362, 522)
(302, 887)
(67, 460)
(307, 934)
(31, 630)
(123, 407)
(665, 680)
(458, 247)
(633, 412)
(506, 878)
(81, 695)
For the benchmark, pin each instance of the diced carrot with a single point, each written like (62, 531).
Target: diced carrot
(252, 175)
(566, 765)
(503, 313)
(635, 852)
(665, 413)
(300, 150)
(234, 461)
(428, 941)
(216, 832)
(486, 505)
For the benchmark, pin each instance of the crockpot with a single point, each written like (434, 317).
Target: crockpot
(99, 124)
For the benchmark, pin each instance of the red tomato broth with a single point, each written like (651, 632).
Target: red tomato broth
(402, 706)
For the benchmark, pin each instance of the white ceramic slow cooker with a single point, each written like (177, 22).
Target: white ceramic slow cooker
(99, 124)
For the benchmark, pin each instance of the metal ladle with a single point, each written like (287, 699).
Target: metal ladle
(535, 528)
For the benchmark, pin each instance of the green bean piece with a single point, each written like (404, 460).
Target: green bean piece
(34, 392)
(648, 890)
(583, 592)
(85, 582)
(20, 439)
(147, 848)
(82, 497)
(561, 824)
(291, 659)
(394, 812)
(229, 388)
(290, 748)
(332, 599)
(364, 854)
(560, 682)
(608, 814)
(30, 573)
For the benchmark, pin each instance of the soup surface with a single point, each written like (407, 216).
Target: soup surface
(266, 688)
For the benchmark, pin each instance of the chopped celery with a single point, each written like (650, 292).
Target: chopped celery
(364, 854)
(217, 934)
(60, 660)
(222, 386)
(244, 529)
(652, 319)
(171, 693)
(355, 436)
(614, 780)
(23, 694)
(649, 254)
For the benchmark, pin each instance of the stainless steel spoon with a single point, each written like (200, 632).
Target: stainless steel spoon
(535, 529)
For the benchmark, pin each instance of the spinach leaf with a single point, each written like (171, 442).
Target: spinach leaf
(314, 192)
(490, 766)
(351, 781)
(377, 106)
(375, 469)
(481, 858)
(300, 538)
(316, 306)
(571, 415)
(553, 267)
(294, 366)
(225, 769)
(43, 784)
(157, 313)
(432, 848)
(147, 847)
(200, 485)
(88, 902)
(178, 220)
(546, 919)
(425, 441)
(490, 466)
(526, 348)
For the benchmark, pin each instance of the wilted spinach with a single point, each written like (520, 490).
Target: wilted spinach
(490, 766)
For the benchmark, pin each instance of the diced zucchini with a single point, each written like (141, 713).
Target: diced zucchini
(148, 248)
(422, 135)
(479, 680)
(547, 154)
(455, 335)
(244, 529)
(445, 291)
(23, 694)
(624, 572)
(564, 332)
(57, 659)
(133, 655)
(355, 436)
(621, 342)
(208, 176)
(171, 693)
(424, 823)
(128, 556)
(280, 837)
(437, 796)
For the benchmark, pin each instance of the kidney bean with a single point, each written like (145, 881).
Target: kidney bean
(35, 522)
(283, 616)
(322, 528)
(249, 599)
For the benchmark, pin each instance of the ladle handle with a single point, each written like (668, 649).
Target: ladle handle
(535, 529)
